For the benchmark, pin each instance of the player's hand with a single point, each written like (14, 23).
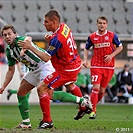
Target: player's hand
(47, 37)
(28, 38)
(25, 44)
(1, 90)
(107, 58)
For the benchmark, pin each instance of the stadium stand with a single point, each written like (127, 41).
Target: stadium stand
(27, 15)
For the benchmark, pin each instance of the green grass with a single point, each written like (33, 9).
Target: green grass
(109, 119)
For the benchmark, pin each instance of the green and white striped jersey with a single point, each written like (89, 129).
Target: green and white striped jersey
(29, 59)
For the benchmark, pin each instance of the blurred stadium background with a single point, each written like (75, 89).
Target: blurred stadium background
(80, 15)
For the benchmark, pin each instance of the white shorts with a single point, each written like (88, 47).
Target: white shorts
(34, 77)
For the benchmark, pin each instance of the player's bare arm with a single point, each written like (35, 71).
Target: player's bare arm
(28, 45)
(8, 78)
(85, 63)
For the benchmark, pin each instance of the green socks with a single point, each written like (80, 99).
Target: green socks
(66, 97)
(13, 91)
(23, 106)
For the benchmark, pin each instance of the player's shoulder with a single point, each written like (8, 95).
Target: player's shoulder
(92, 35)
(20, 38)
(64, 32)
(110, 32)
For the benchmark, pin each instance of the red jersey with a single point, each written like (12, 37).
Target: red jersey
(102, 45)
(63, 50)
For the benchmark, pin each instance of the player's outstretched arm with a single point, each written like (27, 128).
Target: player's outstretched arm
(85, 62)
(8, 78)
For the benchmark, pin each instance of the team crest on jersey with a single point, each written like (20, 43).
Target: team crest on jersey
(51, 48)
(50, 76)
(106, 38)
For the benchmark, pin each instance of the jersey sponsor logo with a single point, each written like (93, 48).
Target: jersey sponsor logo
(100, 45)
(27, 63)
(65, 31)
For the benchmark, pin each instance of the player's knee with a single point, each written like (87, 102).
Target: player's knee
(21, 93)
(71, 86)
(96, 86)
(42, 88)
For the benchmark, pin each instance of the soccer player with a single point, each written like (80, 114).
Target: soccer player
(106, 46)
(38, 70)
(63, 53)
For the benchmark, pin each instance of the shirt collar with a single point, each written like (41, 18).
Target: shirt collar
(100, 34)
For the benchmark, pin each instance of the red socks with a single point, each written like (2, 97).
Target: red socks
(76, 91)
(94, 98)
(45, 107)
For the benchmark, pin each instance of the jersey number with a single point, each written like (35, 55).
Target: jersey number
(94, 78)
(72, 44)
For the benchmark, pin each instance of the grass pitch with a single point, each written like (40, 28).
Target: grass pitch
(110, 118)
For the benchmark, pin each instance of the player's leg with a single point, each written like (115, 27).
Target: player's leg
(107, 75)
(44, 99)
(23, 104)
(94, 99)
(53, 82)
(46, 72)
(43, 93)
(28, 95)
(75, 90)
(69, 82)
(27, 84)
(10, 92)
(71, 86)
(96, 77)
(67, 97)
